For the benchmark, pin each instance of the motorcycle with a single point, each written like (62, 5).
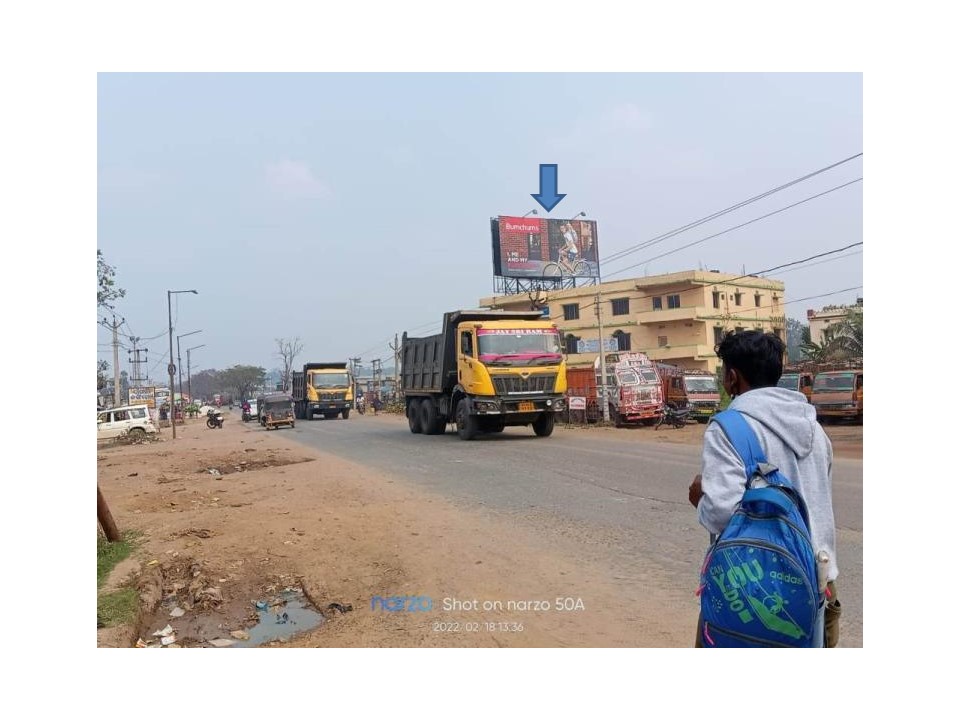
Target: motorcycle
(214, 420)
(671, 415)
(361, 406)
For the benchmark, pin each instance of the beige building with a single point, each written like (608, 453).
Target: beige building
(820, 320)
(676, 318)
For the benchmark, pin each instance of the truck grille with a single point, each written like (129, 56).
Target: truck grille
(333, 396)
(515, 385)
(833, 406)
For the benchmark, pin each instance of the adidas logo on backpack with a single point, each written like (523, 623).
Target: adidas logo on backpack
(758, 584)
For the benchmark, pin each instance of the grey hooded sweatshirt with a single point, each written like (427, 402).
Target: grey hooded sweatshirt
(792, 439)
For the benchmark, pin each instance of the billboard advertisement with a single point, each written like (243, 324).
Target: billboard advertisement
(530, 247)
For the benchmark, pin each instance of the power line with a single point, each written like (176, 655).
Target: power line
(736, 227)
(688, 226)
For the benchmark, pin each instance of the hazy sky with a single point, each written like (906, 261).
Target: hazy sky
(344, 208)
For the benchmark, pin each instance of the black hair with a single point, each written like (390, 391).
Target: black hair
(756, 355)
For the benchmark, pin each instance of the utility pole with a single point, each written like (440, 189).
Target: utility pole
(137, 379)
(603, 363)
(377, 376)
(355, 372)
(396, 366)
(115, 326)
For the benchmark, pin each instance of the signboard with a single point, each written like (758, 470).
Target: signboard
(577, 403)
(161, 395)
(529, 247)
(142, 396)
(592, 346)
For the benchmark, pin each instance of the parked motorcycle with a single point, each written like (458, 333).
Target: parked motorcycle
(214, 419)
(672, 415)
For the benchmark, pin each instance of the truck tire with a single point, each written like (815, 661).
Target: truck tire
(346, 413)
(430, 421)
(413, 416)
(308, 413)
(543, 425)
(466, 423)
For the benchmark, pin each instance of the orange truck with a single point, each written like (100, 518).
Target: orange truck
(838, 393)
(697, 389)
(798, 378)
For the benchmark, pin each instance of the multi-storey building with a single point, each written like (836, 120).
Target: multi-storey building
(677, 318)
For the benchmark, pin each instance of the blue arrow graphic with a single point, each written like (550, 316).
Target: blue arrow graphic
(548, 196)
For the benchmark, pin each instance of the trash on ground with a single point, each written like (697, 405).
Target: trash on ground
(240, 634)
(165, 632)
(177, 612)
(222, 642)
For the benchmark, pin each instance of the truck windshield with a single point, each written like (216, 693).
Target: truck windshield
(790, 382)
(831, 383)
(521, 345)
(329, 380)
(700, 384)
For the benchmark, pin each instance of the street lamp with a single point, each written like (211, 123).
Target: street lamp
(189, 386)
(532, 212)
(171, 368)
(180, 363)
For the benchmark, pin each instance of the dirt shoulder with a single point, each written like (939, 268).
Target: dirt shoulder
(277, 515)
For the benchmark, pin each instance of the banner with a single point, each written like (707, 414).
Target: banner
(527, 247)
(592, 346)
(142, 396)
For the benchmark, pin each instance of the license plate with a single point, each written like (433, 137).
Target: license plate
(527, 407)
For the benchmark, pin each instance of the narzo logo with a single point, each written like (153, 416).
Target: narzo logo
(402, 603)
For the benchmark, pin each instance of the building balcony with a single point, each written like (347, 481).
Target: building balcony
(674, 352)
(648, 317)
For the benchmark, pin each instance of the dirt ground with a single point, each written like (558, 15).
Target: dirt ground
(239, 516)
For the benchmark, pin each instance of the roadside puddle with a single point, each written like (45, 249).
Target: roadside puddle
(288, 615)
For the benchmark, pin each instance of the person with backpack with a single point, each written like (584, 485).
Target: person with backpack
(765, 496)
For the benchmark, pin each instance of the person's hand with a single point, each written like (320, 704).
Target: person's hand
(696, 491)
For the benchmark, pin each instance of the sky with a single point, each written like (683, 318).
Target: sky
(345, 208)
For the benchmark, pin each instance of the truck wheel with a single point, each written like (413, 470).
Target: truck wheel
(308, 413)
(346, 413)
(466, 423)
(430, 421)
(543, 426)
(413, 417)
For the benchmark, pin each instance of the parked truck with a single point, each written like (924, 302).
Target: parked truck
(634, 388)
(324, 388)
(838, 392)
(697, 389)
(798, 378)
(486, 370)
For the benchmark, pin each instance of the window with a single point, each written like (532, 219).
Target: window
(717, 335)
(716, 299)
(571, 343)
(657, 303)
(673, 301)
(662, 341)
(756, 300)
(466, 343)
(623, 340)
(571, 312)
(776, 300)
(119, 415)
(621, 306)
(736, 297)
(138, 413)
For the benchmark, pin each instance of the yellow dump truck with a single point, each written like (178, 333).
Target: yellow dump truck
(485, 371)
(323, 388)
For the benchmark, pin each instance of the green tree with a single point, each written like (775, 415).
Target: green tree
(243, 379)
(101, 374)
(797, 334)
(107, 291)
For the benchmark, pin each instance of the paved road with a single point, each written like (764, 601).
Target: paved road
(613, 497)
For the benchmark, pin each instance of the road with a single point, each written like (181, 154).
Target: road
(614, 499)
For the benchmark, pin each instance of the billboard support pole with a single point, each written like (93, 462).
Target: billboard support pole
(603, 364)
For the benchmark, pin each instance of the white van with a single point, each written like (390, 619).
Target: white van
(133, 420)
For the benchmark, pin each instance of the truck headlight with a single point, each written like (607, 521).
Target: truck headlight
(549, 403)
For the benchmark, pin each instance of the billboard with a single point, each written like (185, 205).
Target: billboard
(142, 396)
(530, 247)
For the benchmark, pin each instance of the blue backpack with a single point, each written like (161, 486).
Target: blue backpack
(758, 584)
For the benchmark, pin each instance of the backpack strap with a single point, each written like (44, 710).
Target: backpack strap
(743, 439)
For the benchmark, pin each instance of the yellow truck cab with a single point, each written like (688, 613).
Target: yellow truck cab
(485, 371)
(322, 388)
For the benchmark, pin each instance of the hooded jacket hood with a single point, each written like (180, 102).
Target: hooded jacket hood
(785, 413)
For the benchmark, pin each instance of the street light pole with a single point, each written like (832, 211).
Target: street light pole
(180, 363)
(189, 385)
(171, 368)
